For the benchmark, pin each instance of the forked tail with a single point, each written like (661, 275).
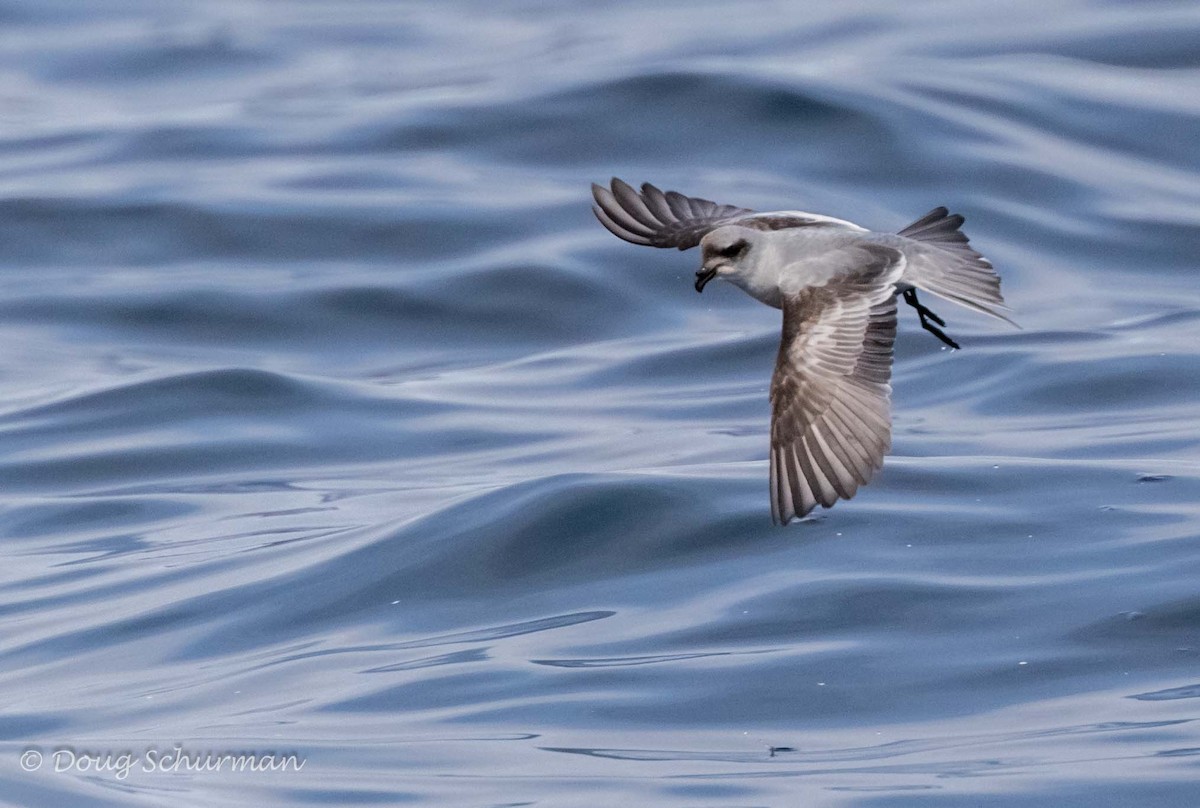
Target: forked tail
(943, 262)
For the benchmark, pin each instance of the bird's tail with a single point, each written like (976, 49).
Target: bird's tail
(944, 263)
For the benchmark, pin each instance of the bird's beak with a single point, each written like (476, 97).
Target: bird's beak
(705, 275)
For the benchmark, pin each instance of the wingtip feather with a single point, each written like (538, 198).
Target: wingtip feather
(617, 230)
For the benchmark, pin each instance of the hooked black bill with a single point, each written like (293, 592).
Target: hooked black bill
(703, 276)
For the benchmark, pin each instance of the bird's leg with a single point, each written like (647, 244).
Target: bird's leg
(926, 315)
(910, 297)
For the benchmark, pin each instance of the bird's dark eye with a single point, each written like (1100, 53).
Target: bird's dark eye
(735, 249)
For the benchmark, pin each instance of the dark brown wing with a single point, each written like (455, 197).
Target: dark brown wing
(830, 396)
(658, 219)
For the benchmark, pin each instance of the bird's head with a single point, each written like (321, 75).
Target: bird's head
(727, 252)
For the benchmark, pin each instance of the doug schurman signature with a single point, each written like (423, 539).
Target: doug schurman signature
(153, 759)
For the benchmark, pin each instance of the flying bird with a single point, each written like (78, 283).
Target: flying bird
(836, 283)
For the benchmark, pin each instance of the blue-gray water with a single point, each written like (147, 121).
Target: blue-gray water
(332, 423)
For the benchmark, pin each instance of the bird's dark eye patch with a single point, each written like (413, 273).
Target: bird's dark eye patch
(735, 249)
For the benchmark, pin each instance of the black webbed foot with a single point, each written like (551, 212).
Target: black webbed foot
(928, 318)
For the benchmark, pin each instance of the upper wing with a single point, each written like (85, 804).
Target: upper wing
(659, 219)
(830, 408)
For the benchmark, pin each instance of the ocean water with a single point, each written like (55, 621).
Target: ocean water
(332, 424)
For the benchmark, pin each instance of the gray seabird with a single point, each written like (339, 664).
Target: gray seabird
(836, 283)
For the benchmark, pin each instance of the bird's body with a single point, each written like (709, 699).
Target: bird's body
(836, 283)
(789, 260)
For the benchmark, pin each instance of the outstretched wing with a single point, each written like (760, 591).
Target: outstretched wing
(830, 395)
(658, 219)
